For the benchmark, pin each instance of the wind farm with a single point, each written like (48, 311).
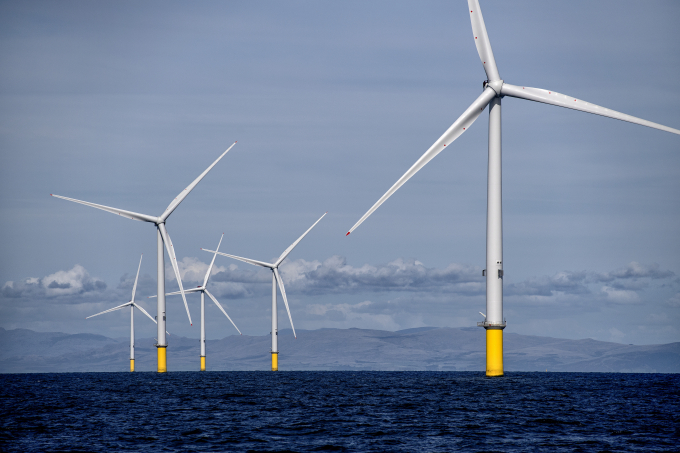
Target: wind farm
(494, 88)
(276, 279)
(563, 223)
(162, 238)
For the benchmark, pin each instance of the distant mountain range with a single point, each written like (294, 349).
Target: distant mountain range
(427, 348)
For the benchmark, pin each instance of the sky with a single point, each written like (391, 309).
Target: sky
(125, 103)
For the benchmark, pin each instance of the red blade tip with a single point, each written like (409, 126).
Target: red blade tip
(348, 233)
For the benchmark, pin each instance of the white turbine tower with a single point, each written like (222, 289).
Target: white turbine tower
(132, 306)
(162, 238)
(203, 290)
(494, 89)
(276, 278)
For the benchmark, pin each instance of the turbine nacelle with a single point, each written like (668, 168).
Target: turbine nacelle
(273, 266)
(203, 290)
(160, 225)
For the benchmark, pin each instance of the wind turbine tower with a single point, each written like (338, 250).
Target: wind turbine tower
(495, 89)
(276, 278)
(162, 237)
(132, 306)
(203, 290)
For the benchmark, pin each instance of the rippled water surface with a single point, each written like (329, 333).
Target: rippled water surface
(339, 411)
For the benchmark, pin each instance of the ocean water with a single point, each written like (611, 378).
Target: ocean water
(339, 411)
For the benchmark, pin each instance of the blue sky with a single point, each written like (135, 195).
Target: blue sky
(124, 104)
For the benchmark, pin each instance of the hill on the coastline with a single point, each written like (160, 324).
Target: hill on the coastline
(427, 348)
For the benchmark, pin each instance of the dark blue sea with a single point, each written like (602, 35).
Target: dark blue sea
(339, 411)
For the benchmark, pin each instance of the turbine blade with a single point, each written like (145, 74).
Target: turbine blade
(174, 293)
(482, 41)
(294, 244)
(452, 133)
(134, 287)
(120, 212)
(285, 299)
(144, 311)
(183, 194)
(562, 100)
(223, 311)
(245, 260)
(207, 274)
(111, 309)
(173, 259)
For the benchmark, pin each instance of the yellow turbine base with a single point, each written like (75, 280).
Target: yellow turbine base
(132, 365)
(202, 363)
(275, 361)
(494, 352)
(162, 359)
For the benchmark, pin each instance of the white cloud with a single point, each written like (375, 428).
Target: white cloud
(193, 270)
(360, 315)
(622, 286)
(230, 290)
(332, 293)
(334, 275)
(73, 281)
(635, 270)
(619, 296)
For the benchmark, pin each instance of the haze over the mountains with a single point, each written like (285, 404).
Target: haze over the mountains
(428, 348)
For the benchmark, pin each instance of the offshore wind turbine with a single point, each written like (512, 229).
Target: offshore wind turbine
(496, 88)
(276, 278)
(132, 306)
(203, 290)
(162, 237)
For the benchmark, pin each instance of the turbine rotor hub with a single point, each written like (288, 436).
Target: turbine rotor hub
(495, 85)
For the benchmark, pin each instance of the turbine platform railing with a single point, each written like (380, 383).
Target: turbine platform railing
(486, 324)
